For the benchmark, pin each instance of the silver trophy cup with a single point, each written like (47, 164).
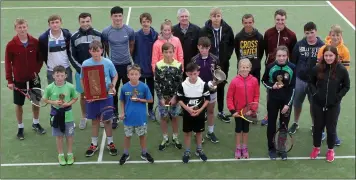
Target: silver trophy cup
(218, 77)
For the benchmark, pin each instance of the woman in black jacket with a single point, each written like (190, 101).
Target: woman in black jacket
(329, 83)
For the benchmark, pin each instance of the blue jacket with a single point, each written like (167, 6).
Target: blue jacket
(43, 41)
(304, 56)
(143, 51)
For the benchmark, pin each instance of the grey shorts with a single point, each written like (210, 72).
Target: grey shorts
(301, 90)
(140, 130)
(69, 131)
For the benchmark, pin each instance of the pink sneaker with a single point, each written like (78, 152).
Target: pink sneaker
(330, 155)
(238, 153)
(245, 153)
(315, 152)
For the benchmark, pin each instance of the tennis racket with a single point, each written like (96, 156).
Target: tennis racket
(106, 114)
(158, 115)
(253, 112)
(34, 95)
(283, 141)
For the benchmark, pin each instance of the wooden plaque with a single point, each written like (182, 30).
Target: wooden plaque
(94, 82)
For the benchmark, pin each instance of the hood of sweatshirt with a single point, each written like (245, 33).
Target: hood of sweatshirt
(318, 43)
(328, 41)
(152, 32)
(197, 84)
(245, 34)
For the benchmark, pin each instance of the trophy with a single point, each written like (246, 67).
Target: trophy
(218, 77)
(167, 101)
(61, 97)
(134, 95)
(111, 87)
(94, 82)
(279, 81)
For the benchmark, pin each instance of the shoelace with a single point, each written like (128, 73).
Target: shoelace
(112, 146)
(92, 147)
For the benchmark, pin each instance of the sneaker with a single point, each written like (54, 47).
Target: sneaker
(38, 128)
(83, 123)
(102, 124)
(323, 136)
(264, 122)
(62, 161)
(212, 137)
(222, 116)
(124, 158)
(245, 153)
(115, 122)
(147, 157)
(151, 115)
(201, 155)
(330, 155)
(163, 145)
(91, 150)
(337, 141)
(176, 143)
(284, 156)
(186, 157)
(20, 134)
(315, 153)
(70, 159)
(293, 128)
(272, 154)
(112, 149)
(238, 153)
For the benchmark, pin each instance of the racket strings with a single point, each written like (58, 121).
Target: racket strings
(283, 141)
(36, 96)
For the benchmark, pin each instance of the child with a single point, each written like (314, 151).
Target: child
(193, 95)
(134, 96)
(243, 89)
(168, 76)
(144, 39)
(206, 61)
(94, 107)
(61, 95)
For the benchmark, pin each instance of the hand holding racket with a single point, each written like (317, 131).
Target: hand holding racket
(34, 95)
(252, 112)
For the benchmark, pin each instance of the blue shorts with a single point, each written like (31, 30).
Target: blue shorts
(93, 108)
(78, 85)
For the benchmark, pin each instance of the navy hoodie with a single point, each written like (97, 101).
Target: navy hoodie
(304, 56)
(143, 51)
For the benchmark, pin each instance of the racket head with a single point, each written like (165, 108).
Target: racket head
(157, 115)
(253, 112)
(107, 114)
(35, 96)
(283, 141)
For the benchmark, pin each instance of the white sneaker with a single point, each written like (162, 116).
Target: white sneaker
(83, 123)
(101, 124)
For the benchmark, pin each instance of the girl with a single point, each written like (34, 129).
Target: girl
(243, 89)
(328, 84)
(166, 36)
(279, 79)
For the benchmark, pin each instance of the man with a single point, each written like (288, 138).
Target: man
(119, 41)
(54, 47)
(277, 36)
(304, 56)
(79, 48)
(222, 39)
(188, 34)
(22, 65)
(249, 44)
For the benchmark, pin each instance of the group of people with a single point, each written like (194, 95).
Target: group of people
(178, 63)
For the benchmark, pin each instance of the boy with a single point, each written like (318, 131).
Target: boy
(193, 95)
(79, 48)
(22, 64)
(55, 47)
(142, 54)
(304, 56)
(94, 107)
(206, 61)
(61, 95)
(134, 96)
(168, 76)
(222, 38)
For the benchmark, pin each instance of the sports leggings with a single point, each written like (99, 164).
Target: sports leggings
(325, 118)
(274, 107)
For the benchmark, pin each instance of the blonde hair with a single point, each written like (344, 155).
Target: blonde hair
(166, 22)
(215, 11)
(19, 21)
(336, 29)
(245, 61)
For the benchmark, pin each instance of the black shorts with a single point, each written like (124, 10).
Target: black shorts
(241, 125)
(19, 98)
(195, 124)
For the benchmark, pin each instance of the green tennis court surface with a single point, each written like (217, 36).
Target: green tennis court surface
(36, 156)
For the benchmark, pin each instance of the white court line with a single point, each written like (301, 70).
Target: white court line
(169, 161)
(342, 16)
(176, 6)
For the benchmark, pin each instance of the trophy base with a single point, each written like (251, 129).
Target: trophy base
(134, 99)
(167, 105)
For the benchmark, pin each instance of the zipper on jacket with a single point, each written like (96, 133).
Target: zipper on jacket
(279, 35)
(327, 91)
(245, 89)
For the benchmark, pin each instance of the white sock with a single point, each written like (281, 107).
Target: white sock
(20, 125)
(36, 121)
(165, 137)
(110, 139)
(210, 129)
(61, 154)
(175, 136)
(94, 141)
(70, 154)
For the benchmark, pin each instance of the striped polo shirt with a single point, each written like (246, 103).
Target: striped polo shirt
(57, 52)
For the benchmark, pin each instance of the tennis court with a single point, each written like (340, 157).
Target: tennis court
(36, 156)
